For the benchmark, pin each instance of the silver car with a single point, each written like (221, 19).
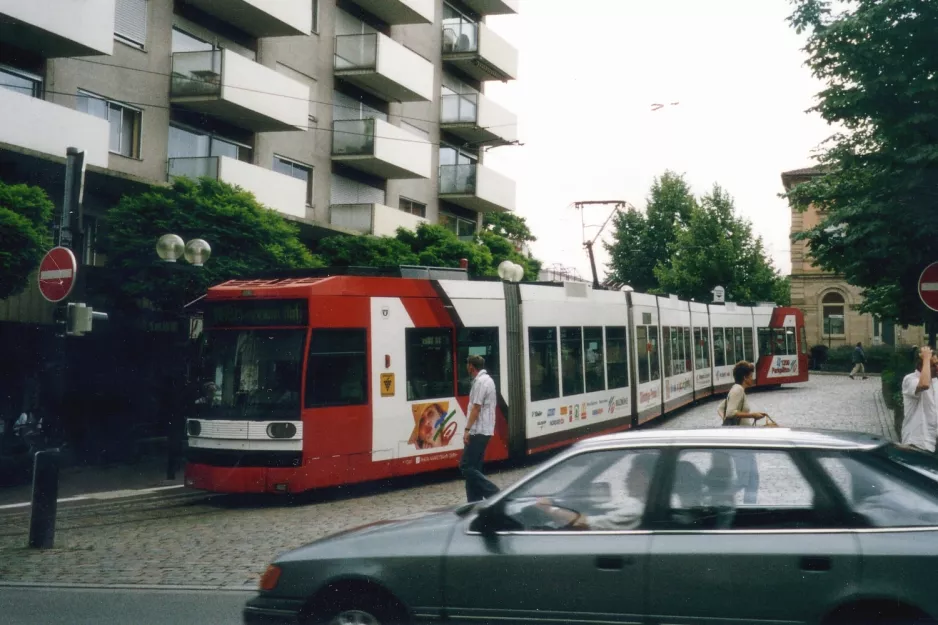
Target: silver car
(729, 525)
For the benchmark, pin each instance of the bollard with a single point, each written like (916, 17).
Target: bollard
(45, 496)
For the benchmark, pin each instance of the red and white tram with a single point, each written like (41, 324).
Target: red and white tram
(339, 377)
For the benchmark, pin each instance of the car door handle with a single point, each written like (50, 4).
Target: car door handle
(613, 563)
(814, 563)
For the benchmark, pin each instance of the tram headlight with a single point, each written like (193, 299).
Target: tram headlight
(194, 428)
(281, 430)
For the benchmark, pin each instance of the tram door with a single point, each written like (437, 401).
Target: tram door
(484, 342)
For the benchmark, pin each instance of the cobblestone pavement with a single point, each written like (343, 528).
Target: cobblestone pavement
(223, 543)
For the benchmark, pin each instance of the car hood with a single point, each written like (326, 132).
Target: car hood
(429, 529)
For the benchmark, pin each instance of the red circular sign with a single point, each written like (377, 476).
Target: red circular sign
(928, 286)
(57, 274)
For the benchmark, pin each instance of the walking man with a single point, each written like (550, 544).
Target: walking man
(920, 401)
(479, 429)
(859, 359)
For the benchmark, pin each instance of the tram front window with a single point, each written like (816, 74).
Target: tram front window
(255, 374)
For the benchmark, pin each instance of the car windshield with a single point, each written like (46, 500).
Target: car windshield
(923, 463)
(252, 374)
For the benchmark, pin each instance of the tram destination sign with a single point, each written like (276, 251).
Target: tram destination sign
(256, 313)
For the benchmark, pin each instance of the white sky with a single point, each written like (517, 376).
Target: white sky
(589, 73)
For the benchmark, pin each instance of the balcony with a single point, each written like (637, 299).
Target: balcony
(477, 51)
(233, 88)
(262, 18)
(396, 12)
(380, 149)
(477, 188)
(477, 119)
(383, 67)
(48, 128)
(493, 7)
(375, 219)
(58, 28)
(276, 191)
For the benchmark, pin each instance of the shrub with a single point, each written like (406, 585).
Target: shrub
(840, 358)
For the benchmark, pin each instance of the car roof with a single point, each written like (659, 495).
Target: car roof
(734, 436)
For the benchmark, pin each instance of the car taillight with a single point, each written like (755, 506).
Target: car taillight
(270, 578)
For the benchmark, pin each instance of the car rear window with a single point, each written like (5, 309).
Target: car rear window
(919, 461)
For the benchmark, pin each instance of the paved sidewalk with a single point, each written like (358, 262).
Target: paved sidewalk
(222, 542)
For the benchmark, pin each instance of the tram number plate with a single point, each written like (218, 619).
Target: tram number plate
(387, 385)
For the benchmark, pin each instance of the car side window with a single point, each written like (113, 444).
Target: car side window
(876, 498)
(603, 490)
(740, 489)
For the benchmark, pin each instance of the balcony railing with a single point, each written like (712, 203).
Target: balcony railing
(353, 137)
(356, 51)
(193, 167)
(196, 74)
(458, 179)
(460, 35)
(478, 51)
(58, 28)
(459, 108)
(383, 67)
(375, 219)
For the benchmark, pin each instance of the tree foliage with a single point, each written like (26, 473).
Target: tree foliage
(428, 245)
(717, 248)
(880, 185)
(25, 234)
(510, 226)
(642, 242)
(245, 237)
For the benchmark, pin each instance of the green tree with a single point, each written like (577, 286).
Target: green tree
(511, 226)
(245, 236)
(717, 248)
(642, 242)
(880, 184)
(25, 234)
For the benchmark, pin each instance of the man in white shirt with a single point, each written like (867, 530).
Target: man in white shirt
(479, 430)
(920, 402)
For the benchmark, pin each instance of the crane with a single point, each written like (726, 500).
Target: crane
(617, 206)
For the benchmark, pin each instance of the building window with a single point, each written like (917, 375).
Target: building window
(833, 309)
(298, 171)
(429, 363)
(462, 227)
(20, 81)
(124, 122)
(316, 16)
(337, 371)
(412, 207)
(190, 143)
(130, 22)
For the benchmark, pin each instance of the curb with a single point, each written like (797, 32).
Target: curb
(115, 498)
(164, 587)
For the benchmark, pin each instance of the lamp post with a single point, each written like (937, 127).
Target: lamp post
(170, 248)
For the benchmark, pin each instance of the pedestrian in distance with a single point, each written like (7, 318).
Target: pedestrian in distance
(920, 402)
(479, 430)
(859, 362)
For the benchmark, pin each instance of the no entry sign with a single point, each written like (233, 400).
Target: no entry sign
(928, 286)
(57, 274)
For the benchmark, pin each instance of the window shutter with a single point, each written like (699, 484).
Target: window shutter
(347, 191)
(130, 20)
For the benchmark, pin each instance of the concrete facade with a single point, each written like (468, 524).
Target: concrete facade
(824, 296)
(183, 75)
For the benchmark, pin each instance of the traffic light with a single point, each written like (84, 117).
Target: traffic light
(81, 317)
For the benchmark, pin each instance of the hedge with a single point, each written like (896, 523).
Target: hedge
(840, 358)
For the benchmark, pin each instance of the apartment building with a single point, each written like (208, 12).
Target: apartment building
(343, 115)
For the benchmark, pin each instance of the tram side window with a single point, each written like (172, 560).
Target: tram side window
(702, 348)
(687, 350)
(571, 360)
(791, 343)
(719, 355)
(477, 342)
(653, 358)
(336, 374)
(595, 374)
(747, 345)
(617, 359)
(667, 347)
(778, 347)
(641, 347)
(765, 342)
(542, 361)
(738, 343)
(429, 363)
(730, 346)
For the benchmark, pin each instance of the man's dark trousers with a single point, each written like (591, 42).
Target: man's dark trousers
(478, 487)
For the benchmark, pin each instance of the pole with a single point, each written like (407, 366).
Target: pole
(45, 499)
(589, 249)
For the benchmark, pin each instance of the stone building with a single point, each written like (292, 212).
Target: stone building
(828, 302)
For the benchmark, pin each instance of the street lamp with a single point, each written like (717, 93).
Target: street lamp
(170, 247)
